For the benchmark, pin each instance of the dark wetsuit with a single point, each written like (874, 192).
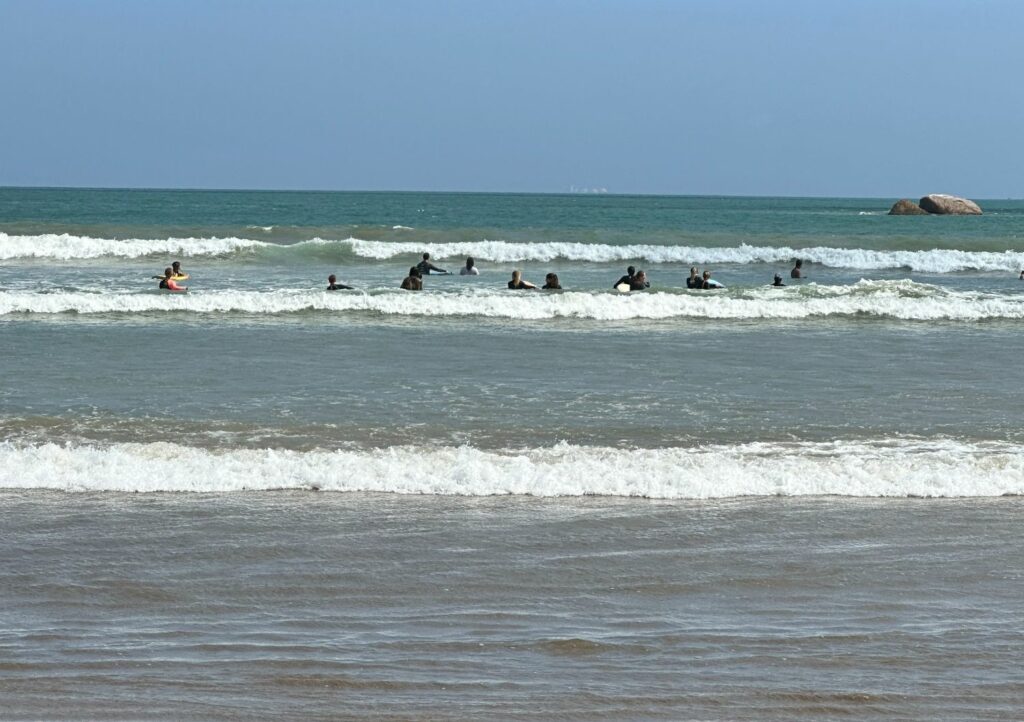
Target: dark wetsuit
(339, 287)
(695, 282)
(547, 287)
(521, 287)
(425, 267)
(412, 283)
(627, 279)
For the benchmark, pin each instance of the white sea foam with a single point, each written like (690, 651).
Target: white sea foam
(902, 300)
(883, 468)
(931, 261)
(68, 247)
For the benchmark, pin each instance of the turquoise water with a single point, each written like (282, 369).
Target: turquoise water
(750, 503)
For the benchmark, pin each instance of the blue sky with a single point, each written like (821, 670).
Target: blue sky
(763, 98)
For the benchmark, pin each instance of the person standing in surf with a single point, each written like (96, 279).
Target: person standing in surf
(167, 283)
(425, 267)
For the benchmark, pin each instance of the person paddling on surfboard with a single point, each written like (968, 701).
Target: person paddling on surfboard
(425, 267)
(176, 273)
(168, 283)
(333, 285)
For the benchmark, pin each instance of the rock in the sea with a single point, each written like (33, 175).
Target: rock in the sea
(949, 205)
(906, 207)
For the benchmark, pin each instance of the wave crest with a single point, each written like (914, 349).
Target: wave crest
(879, 468)
(70, 247)
(899, 300)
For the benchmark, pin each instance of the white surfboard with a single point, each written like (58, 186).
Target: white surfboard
(622, 288)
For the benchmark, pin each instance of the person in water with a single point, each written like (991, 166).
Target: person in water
(1022, 275)
(425, 267)
(470, 268)
(778, 281)
(627, 279)
(517, 283)
(694, 281)
(413, 282)
(551, 282)
(797, 272)
(708, 282)
(333, 285)
(639, 282)
(176, 267)
(169, 284)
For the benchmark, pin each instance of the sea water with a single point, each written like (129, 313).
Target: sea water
(749, 503)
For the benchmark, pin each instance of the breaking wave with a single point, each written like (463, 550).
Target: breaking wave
(899, 300)
(70, 247)
(871, 468)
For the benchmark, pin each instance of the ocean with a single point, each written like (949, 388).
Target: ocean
(262, 499)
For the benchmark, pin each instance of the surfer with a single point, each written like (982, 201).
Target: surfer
(470, 268)
(639, 282)
(778, 281)
(169, 284)
(551, 283)
(694, 281)
(413, 282)
(709, 282)
(425, 267)
(796, 272)
(1022, 275)
(517, 283)
(333, 285)
(627, 279)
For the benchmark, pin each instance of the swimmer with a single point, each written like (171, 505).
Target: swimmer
(627, 279)
(167, 283)
(517, 283)
(551, 282)
(639, 282)
(1022, 275)
(796, 272)
(470, 268)
(694, 281)
(333, 285)
(413, 282)
(425, 267)
(778, 281)
(176, 267)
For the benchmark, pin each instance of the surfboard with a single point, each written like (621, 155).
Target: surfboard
(622, 288)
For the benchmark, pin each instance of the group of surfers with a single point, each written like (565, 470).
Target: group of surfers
(634, 280)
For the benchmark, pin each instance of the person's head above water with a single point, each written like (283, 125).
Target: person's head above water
(799, 263)
(469, 262)
(426, 256)
(332, 278)
(413, 271)
(168, 272)
(516, 275)
(693, 270)
(778, 281)
(707, 274)
(176, 265)
(631, 271)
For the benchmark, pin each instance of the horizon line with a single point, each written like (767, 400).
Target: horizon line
(194, 189)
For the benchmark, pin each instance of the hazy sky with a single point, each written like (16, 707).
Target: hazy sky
(850, 98)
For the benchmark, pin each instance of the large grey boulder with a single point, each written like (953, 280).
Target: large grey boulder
(949, 205)
(906, 207)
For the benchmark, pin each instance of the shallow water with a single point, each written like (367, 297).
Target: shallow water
(755, 503)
